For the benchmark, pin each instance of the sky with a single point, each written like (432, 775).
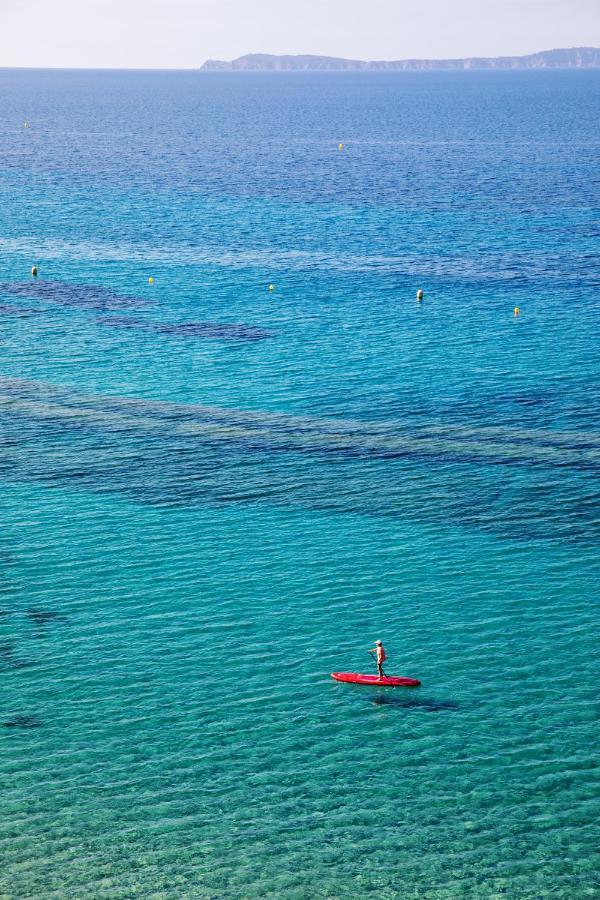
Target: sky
(182, 34)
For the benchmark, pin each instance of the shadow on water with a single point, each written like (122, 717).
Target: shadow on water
(412, 702)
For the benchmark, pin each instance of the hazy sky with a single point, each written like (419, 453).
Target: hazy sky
(183, 33)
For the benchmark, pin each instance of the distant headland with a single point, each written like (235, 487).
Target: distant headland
(572, 58)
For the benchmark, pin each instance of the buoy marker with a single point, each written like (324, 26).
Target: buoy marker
(34, 271)
(420, 294)
(150, 280)
(517, 311)
(271, 287)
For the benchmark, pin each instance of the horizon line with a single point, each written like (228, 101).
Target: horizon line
(198, 70)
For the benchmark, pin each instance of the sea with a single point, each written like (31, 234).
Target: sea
(235, 450)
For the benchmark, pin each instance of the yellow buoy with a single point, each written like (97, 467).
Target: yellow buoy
(420, 294)
(340, 146)
(151, 280)
(271, 287)
(34, 271)
(517, 310)
(25, 124)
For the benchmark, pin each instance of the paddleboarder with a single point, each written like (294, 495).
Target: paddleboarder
(378, 649)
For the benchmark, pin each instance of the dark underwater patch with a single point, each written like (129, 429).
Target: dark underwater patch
(82, 296)
(43, 616)
(18, 312)
(219, 331)
(22, 722)
(9, 660)
(171, 454)
(120, 322)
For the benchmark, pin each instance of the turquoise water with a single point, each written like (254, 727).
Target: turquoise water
(200, 521)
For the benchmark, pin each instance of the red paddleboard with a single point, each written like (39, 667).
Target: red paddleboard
(387, 681)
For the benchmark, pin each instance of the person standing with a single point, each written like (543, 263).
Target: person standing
(379, 651)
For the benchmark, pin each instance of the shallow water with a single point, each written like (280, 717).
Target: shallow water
(207, 511)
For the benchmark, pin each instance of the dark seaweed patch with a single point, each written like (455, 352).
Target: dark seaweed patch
(108, 447)
(43, 616)
(215, 330)
(121, 322)
(22, 722)
(19, 312)
(167, 468)
(8, 659)
(83, 296)
(220, 331)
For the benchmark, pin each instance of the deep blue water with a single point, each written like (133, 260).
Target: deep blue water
(213, 494)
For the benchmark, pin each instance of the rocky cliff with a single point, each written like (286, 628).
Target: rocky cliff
(573, 58)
